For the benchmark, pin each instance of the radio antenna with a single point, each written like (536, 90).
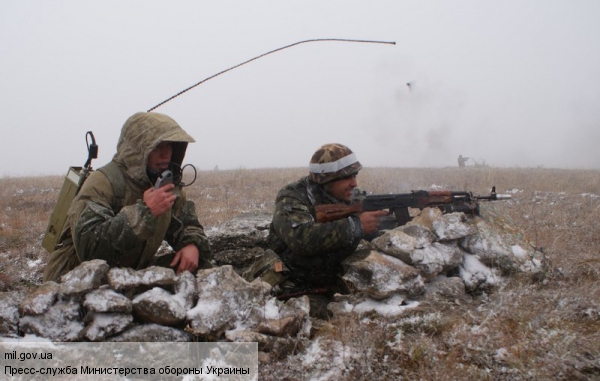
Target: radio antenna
(265, 54)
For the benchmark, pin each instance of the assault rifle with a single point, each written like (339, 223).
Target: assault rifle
(398, 204)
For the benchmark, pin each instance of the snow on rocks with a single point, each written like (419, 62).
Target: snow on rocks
(444, 287)
(477, 275)
(127, 278)
(380, 276)
(247, 230)
(9, 312)
(152, 332)
(498, 244)
(450, 253)
(402, 241)
(240, 241)
(84, 278)
(62, 322)
(358, 304)
(489, 238)
(154, 304)
(104, 325)
(39, 300)
(159, 306)
(225, 300)
(106, 300)
(434, 257)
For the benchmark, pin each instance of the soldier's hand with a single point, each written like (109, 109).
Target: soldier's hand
(160, 200)
(186, 259)
(370, 220)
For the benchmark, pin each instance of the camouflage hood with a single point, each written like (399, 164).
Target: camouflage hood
(140, 134)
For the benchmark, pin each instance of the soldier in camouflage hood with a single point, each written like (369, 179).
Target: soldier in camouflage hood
(313, 251)
(127, 231)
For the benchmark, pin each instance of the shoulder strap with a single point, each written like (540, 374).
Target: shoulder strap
(117, 180)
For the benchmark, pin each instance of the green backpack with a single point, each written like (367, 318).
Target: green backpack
(74, 179)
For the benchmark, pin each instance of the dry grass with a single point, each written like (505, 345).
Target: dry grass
(532, 328)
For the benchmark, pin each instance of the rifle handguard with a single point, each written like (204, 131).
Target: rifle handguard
(333, 212)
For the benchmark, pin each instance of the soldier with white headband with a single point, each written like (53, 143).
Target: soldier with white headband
(311, 251)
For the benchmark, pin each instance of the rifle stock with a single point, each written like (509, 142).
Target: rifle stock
(399, 204)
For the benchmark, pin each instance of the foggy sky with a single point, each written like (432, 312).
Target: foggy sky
(512, 83)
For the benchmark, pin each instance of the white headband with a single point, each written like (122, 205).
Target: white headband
(333, 166)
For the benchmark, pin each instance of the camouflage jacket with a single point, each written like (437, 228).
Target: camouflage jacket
(312, 251)
(130, 236)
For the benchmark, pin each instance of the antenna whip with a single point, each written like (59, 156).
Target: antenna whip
(265, 54)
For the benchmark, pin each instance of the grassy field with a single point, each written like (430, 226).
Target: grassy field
(531, 328)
